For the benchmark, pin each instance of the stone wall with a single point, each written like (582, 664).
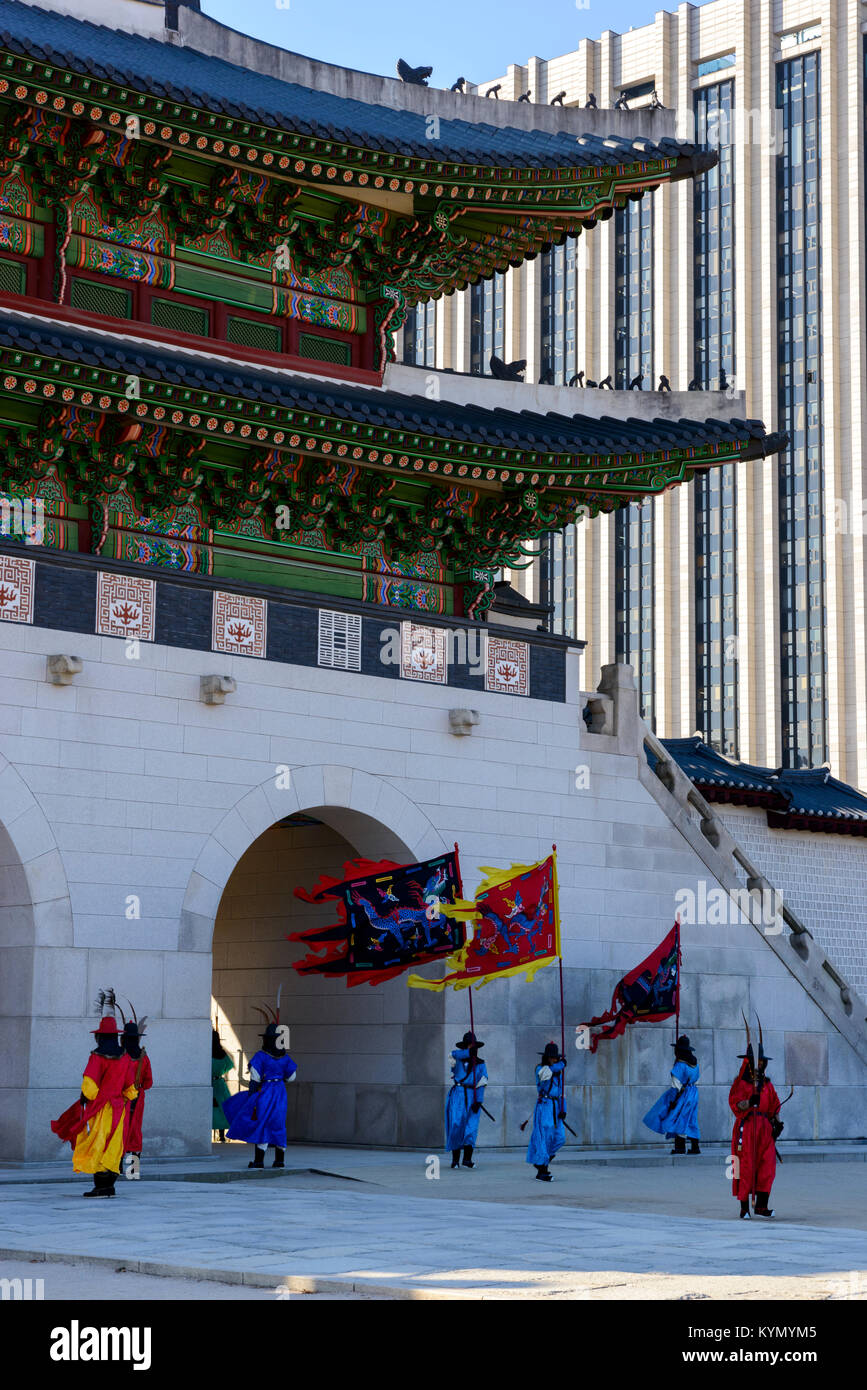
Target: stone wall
(131, 803)
(820, 876)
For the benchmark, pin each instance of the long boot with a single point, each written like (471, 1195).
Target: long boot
(258, 1160)
(101, 1187)
(679, 1144)
(745, 1210)
(762, 1208)
(456, 1158)
(542, 1174)
(693, 1146)
(468, 1156)
(279, 1159)
(222, 1134)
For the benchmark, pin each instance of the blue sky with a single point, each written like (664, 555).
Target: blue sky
(476, 39)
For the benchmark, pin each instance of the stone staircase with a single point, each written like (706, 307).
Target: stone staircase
(614, 725)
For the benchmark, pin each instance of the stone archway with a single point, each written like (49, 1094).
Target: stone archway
(37, 974)
(370, 1068)
(376, 818)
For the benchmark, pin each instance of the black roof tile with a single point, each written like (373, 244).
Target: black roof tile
(185, 75)
(789, 794)
(523, 430)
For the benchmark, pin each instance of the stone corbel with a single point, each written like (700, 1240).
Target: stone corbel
(462, 721)
(214, 689)
(60, 670)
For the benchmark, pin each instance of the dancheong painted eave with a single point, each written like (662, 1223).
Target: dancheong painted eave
(487, 479)
(420, 215)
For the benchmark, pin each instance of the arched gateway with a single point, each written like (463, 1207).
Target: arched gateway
(38, 970)
(361, 1053)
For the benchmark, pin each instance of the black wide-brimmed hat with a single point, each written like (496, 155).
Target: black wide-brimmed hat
(748, 1055)
(470, 1040)
(683, 1050)
(133, 1027)
(551, 1053)
(272, 1019)
(272, 1033)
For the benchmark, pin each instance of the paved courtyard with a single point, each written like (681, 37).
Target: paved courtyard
(367, 1223)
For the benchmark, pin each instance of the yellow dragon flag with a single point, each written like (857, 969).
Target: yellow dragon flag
(516, 924)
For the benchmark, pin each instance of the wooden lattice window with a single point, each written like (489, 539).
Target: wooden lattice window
(340, 640)
(250, 333)
(180, 318)
(100, 299)
(324, 349)
(13, 277)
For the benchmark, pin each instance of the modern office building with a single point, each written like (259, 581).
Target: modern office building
(739, 600)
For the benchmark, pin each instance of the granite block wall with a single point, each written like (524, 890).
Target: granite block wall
(131, 854)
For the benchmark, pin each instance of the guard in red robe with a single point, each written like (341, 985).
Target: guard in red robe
(133, 1031)
(755, 1106)
(95, 1124)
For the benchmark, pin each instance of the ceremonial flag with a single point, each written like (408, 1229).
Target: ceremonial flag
(391, 916)
(516, 927)
(648, 994)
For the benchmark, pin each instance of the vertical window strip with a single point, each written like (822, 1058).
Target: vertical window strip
(419, 335)
(559, 301)
(487, 323)
(715, 492)
(803, 656)
(634, 545)
(634, 525)
(633, 314)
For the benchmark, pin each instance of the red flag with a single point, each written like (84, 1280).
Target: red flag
(648, 994)
(516, 927)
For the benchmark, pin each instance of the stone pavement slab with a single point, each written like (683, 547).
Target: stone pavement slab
(228, 1162)
(324, 1235)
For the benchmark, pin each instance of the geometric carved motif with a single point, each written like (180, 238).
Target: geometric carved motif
(16, 589)
(423, 653)
(239, 624)
(125, 606)
(507, 667)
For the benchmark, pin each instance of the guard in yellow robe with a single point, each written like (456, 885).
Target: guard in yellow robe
(94, 1125)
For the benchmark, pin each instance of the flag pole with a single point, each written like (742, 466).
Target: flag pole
(560, 970)
(559, 955)
(473, 1031)
(562, 1014)
(677, 1005)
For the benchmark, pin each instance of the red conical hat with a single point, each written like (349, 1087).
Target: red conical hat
(106, 1025)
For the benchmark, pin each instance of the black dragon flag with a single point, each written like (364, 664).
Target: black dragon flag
(392, 916)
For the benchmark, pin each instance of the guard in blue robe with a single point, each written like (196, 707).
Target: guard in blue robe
(549, 1131)
(675, 1114)
(464, 1100)
(258, 1115)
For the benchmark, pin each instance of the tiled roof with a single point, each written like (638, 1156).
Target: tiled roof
(814, 792)
(181, 74)
(705, 766)
(798, 799)
(523, 431)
